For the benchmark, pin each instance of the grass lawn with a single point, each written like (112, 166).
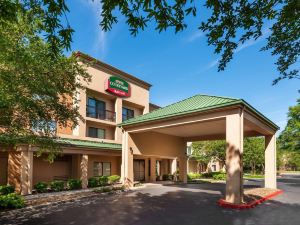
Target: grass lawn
(254, 176)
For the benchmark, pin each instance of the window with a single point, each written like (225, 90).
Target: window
(96, 108)
(127, 114)
(102, 169)
(96, 133)
(189, 150)
(44, 126)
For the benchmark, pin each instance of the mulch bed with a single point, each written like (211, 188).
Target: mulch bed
(252, 198)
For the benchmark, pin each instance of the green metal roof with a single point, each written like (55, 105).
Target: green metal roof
(89, 144)
(193, 104)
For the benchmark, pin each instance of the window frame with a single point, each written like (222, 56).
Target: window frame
(101, 163)
(97, 132)
(126, 115)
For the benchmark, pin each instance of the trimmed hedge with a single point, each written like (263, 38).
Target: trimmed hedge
(93, 182)
(57, 185)
(167, 177)
(193, 176)
(41, 187)
(74, 184)
(6, 189)
(219, 176)
(11, 201)
(103, 180)
(113, 179)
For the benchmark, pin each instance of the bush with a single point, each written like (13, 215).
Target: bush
(219, 176)
(106, 189)
(113, 179)
(74, 184)
(103, 180)
(41, 187)
(11, 201)
(93, 182)
(193, 176)
(57, 185)
(6, 189)
(207, 175)
(167, 177)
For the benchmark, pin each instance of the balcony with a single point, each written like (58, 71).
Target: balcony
(92, 112)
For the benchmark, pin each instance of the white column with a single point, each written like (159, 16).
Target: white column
(152, 169)
(270, 162)
(183, 169)
(127, 161)
(234, 151)
(174, 168)
(84, 170)
(118, 110)
(26, 170)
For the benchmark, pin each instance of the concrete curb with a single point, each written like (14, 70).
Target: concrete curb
(250, 205)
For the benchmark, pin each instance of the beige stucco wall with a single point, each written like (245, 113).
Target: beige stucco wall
(114, 160)
(46, 172)
(157, 144)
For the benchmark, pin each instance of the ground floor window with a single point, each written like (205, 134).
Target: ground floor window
(102, 169)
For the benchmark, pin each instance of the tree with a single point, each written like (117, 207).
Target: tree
(37, 81)
(230, 24)
(204, 151)
(254, 154)
(289, 141)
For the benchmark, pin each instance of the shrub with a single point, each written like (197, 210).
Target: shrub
(93, 182)
(207, 175)
(6, 189)
(193, 176)
(106, 189)
(167, 177)
(57, 185)
(103, 180)
(219, 176)
(41, 187)
(74, 184)
(11, 201)
(113, 179)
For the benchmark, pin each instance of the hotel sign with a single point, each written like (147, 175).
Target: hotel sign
(117, 86)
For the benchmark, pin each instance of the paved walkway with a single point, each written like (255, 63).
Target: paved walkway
(171, 204)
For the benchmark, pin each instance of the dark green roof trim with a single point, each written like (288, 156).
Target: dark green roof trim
(197, 103)
(89, 144)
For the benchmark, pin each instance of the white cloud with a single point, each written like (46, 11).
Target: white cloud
(195, 36)
(100, 41)
(242, 46)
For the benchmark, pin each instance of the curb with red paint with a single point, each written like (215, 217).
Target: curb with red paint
(250, 205)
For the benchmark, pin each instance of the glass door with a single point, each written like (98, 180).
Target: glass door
(139, 169)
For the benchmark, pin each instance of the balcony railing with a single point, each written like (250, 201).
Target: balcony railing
(126, 117)
(100, 114)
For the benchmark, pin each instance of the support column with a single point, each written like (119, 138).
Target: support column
(234, 152)
(152, 169)
(147, 170)
(127, 161)
(118, 110)
(174, 168)
(84, 170)
(26, 169)
(183, 169)
(270, 162)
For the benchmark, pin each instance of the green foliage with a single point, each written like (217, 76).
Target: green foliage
(6, 189)
(11, 201)
(36, 78)
(254, 154)
(41, 187)
(113, 179)
(57, 185)
(228, 26)
(203, 151)
(74, 184)
(103, 180)
(219, 176)
(193, 176)
(93, 182)
(106, 189)
(167, 177)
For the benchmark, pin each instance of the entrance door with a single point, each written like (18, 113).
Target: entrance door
(3, 170)
(139, 169)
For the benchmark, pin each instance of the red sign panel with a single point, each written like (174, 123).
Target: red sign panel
(117, 86)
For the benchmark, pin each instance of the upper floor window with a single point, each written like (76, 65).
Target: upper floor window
(96, 133)
(44, 126)
(127, 113)
(97, 109)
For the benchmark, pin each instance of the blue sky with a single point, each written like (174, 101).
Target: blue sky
(181, 65)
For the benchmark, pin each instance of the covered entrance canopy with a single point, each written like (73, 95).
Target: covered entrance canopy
(163, 133)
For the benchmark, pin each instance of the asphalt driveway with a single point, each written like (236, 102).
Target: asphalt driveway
(171, 204)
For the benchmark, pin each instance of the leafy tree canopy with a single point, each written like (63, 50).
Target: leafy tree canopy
(230, 24)
(289, 139)
(36, 80)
